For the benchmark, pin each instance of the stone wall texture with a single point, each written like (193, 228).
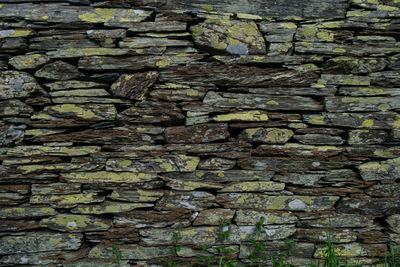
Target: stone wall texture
(126, 121)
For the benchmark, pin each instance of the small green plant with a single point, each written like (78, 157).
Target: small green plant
(176, 236)
(117, 254)
(391, 260)
(223, 260)
(278, 261)
(258, 246)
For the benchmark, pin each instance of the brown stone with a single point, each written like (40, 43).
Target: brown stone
(134, 86)
(202, 133)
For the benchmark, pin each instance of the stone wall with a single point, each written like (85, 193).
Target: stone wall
(126, 121)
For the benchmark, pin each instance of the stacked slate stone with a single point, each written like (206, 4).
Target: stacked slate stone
(125, 121)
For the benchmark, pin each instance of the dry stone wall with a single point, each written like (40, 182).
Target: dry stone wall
(126, 121)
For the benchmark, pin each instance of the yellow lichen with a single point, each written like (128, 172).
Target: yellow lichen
(163, 63)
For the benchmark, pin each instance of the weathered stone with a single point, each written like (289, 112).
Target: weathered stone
(58, 42)
(311, 33)
(358, 137)
(90, 51)
(369, 206)
(103, 34)
(220, 176)
(98, 263)
(256, 101)
(136, 195)
(90, 112)
(195, 200)
(191, 185)
(109, 207)
(121, 135)
(394, 62)
(177, 92)
(374, 151)
(252, 115)
(355, 250)
(354, 65)
(66, 201)
(383, 170)
(337, 220)
(348, 103)
(394, 222)
(59, 13)
(32, 61)
(157, 26)
(55, 189)
(301, 254)
(321, 235)
(58, 70)
(18, 225)
(202, 133)
(389, 79)
(368, 91)
(259, 59)
(40, 241)
(153, 218)
(114, 235)
(231, 36)
(216, 164)
(319, 139)
(278, 32)
(265, 202)
(306, 179)
(57, 167)
(287, 164)
(22, 212)
(73, 84)
(153, 112)
(11, 134)
(254, 187)
(280, 9)
(136, 62)
(133, 252)
(213, 216)
(134, 86)
(344, 50)
(223, 75)
(251, 217)
(140, 42)
(294, 150)
(266, 135)
(16, 84)
(178, 163)
(14, 107)
(75, 223)
(107, 177)
(375, 120)
(226, 150)
(24, 151)
(384, 190)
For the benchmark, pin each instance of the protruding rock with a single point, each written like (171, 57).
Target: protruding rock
(252, 217)
(202, 133)
(59, 70)
(75, 223)
(266, 135)
(369, 206)
(394, 222)
(15, 107)
(214, 216)
(107, 177)
(265, 202)
(40, 241)
(232, 36)
(384, 170)
(134, 86)
(109, 207)
(30, 62)
(16, 84)
(23, 212)
(196, 200)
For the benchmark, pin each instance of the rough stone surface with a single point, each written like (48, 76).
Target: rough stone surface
(168, 132)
